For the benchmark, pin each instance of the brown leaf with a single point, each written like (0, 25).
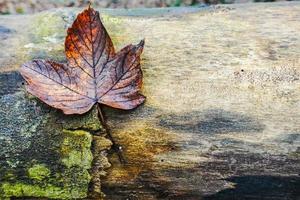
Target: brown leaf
(94, 72)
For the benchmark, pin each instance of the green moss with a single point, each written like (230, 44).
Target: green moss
(76, 149)
(88, 121)
(38, 172)
(50, 162)
(50, 191)
(76, 158)
(61, 186)
(93, 126)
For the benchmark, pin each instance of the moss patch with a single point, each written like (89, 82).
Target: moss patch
(88, 121)
(49, 161)
(76, 149)
(50, 191)
(38, 172)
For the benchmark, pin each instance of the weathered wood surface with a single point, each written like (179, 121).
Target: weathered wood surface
(221, 119)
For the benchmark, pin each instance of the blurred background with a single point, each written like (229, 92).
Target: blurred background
(32, 6)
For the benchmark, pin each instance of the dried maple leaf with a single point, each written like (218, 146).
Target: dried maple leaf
(93, 74)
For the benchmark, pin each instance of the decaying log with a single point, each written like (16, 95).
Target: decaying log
(221, 120)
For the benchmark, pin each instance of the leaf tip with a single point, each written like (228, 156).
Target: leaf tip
(143, 98)
(89, 9)
(142, 43)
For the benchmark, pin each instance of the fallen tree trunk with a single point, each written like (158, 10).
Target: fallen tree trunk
(221, 119)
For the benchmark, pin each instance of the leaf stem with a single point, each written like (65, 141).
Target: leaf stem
(115, 147)
(95, 183)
